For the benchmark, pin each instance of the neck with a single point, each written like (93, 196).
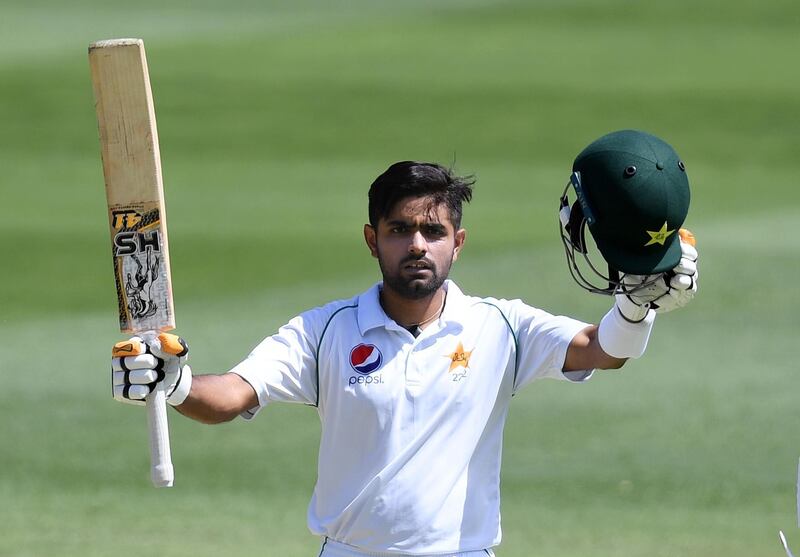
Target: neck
(411, 313)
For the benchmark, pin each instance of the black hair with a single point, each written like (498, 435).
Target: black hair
(419, 179)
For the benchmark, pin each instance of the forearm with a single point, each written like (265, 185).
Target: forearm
(215, 399)
(585, 352)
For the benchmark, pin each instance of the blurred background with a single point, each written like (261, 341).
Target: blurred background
(274, 117)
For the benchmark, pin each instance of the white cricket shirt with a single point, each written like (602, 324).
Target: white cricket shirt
(412, 428)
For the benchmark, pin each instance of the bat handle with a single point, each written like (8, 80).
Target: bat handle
(161, 469)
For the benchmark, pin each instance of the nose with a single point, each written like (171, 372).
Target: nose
(418, 245)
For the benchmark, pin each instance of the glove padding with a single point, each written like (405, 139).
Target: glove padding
(140, 363)
(665, 292)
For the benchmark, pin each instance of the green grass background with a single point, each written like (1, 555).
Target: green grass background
(274, 117)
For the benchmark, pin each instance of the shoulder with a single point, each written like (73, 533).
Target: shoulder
(515, 312)
(319, 318)
(510, 309)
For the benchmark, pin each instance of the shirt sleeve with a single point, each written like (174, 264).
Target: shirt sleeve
(542, 342)
(283, 367)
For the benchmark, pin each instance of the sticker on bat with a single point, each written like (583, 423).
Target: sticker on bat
(129, 243)
(139, 285)
(126, 218)
(140, 268)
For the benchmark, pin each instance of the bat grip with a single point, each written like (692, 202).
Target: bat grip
(161, 469)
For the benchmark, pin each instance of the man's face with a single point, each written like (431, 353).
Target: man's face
(415, 246)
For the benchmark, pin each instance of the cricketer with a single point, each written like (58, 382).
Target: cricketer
(412, 379)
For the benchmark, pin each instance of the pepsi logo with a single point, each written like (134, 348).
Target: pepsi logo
(365, 358)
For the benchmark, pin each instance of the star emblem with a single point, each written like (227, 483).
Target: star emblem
(659, 236)
(459, 357)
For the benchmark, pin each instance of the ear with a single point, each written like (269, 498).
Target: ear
(371, 240)
(460, 238)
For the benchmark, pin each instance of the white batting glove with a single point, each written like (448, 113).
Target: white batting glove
(671, 290)
(140, 363)
(625, 330)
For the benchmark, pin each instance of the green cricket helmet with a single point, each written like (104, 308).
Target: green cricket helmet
(633, 194)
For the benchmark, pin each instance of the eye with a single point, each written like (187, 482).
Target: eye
(435, 230)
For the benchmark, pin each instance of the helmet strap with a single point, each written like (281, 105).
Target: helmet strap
(577, 228)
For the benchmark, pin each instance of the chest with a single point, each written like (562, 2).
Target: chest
(386, 377)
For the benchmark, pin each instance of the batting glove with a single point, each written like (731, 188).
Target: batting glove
(140, 363)
(662, 293)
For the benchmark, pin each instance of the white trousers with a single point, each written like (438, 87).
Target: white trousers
(331, 548)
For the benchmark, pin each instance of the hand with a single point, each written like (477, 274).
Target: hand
(140, 363)
(665, 292)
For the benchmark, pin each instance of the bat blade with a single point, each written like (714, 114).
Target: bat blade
(136, 212)
(134, 189)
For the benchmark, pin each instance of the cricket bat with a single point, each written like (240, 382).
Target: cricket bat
(137, 219)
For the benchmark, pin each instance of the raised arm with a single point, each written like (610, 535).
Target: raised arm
(585, 352)
(624, 331)
(137, 366)
(215, 399)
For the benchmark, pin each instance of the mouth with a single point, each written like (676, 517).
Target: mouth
(417, 266)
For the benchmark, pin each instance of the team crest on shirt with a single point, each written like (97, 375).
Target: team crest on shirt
(365, 358)
(459, 362)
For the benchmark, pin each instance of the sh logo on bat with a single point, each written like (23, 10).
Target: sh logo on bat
(128, 241)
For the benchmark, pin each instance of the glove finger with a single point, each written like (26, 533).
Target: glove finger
(132, 398)
(688, 251)
(143, 376)
(685, 267)
(146, 377)
(172, 345)
(137, 392)
(130, 347)
(144, 361)
(681, 282)
(118, 379)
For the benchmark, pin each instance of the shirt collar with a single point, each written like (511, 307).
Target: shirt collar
(371, 314)
(454, 304)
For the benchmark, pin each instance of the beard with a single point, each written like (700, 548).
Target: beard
(413, 286)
